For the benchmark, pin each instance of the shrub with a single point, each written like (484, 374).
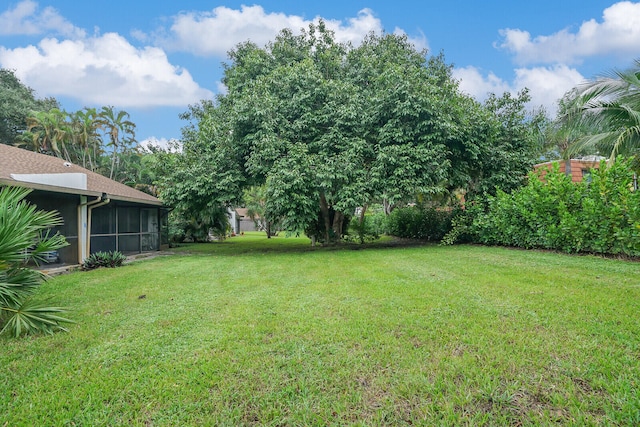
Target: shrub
(109, 259)
(367, 229)
(423, 223)
(601, 215)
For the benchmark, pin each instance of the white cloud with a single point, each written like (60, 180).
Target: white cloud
(546, 84)
(26, 19)
(222, 88)
(104, 70)
(474, 83)
(419, 42)
(617, 34)
(215, 33)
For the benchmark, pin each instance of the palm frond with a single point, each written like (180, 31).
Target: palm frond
(25, 235)
(609, 108)
(30, 317)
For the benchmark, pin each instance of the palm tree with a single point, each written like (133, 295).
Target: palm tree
(121, 132)
(86, 138)
(611, 105)
(24, 237)
(560, 138)
(49, 131)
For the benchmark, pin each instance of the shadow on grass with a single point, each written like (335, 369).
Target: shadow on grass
(257, 243)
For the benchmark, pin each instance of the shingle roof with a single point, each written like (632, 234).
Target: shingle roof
(15, 160)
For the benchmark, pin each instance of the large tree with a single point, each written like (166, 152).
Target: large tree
(48, 132)
(86, 137)
(508, 144)
(329, 128)
(17, 101)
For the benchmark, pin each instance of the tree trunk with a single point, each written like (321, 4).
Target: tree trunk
(324, 209)
(113, 164)
(386, 206)
(268, 229)
(362, 212)
(338, 221)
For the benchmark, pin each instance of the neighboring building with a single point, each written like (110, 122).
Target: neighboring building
(234, 220)
(245, 222)
(99, 214)
(579, 168)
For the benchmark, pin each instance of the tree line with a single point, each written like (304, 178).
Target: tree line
(311, 131)
(99, 139)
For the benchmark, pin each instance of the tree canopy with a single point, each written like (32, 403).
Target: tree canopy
(328, 127)
(17, 101)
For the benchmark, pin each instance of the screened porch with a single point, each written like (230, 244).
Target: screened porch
(127, 228)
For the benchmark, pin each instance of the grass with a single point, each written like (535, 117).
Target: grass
(269, 332)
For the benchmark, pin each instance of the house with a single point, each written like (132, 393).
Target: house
(579, 168)
(99, 214)
(245, 222)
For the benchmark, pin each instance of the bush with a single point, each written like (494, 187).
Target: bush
(420, 223)
(366, 230)
(109, 259)
(198, 226)
(601, 215)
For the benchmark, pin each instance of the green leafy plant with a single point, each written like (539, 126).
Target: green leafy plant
(24, 238)
(601, 215)
(418, 222)
(110, 259)
(366, 229)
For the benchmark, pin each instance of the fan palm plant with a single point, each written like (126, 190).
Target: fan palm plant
(24, 237)
(611, 105)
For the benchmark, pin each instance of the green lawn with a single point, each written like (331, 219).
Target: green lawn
(257, 331)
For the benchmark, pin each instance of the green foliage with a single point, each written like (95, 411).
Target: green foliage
(610, 107)
(420, 222)
(198, 224)
(327, 128)
(366, 228)
(508, 145)
(109, 259)
(24, 237)
(120, 132)
(599, 215)
(17, 101)
(255, 200)
(101, 141)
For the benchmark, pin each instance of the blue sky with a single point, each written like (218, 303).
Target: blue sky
(153, 59)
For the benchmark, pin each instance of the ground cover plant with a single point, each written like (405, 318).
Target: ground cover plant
(256, 331)
(110, 259)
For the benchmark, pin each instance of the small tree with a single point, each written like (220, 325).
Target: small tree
(255, 199)
(24, 237)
